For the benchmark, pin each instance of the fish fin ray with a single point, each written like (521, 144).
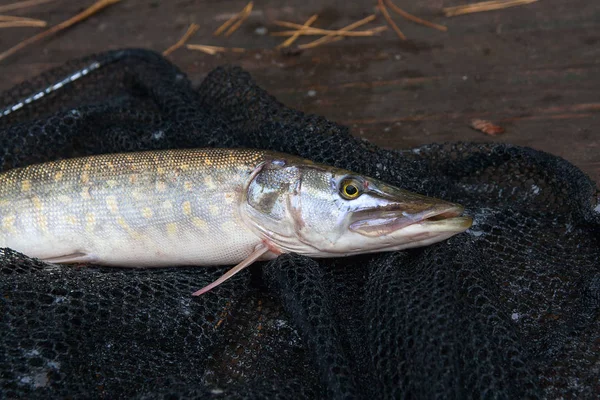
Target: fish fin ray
(256, 254)
(70, 258)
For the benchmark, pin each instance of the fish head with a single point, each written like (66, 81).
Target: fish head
(322, 211)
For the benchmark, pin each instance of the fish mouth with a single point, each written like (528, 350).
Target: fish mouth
(439, 218)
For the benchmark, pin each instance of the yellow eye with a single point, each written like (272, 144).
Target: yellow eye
(350, 189)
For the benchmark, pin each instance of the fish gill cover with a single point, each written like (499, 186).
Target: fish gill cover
(508, 309)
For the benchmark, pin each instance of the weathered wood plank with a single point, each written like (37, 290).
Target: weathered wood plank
(535, 69)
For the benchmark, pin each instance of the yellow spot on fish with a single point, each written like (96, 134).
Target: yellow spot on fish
(123, 224)
(111, 183)
(90, 219)
(171, 229)
(147, 212)
(121, 221)
(37, 203)
(8, 223)
(161, 186)
(71, 219)
(137, 195)
(199, 222)
(85, 178)
(184, 167)
(214, 210)
(229, 197)
(63, 198)
(207, 161)
(58, 176)
(229, 226)
(133, 178)
(85, 193)
(208, 181)
(111, 203)
(187, 185)
(160, 170)
(167, 205)
(26, 185)
(187, 207)
(42, 222)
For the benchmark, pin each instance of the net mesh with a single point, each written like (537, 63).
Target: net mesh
(508, 309)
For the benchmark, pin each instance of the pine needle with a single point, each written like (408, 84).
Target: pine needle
(23, 24)
(335, 32)
(414, 18)
(23, 4)
(483, 6)
(13, 18)
(190, 31)
(389, 19)
(239, 17)
(297, 34)
(9, 21)
(335, 36)
(321, 32)
(85, 14)
(318, 31)
(243, 16)
(226, 25)
(212, 50)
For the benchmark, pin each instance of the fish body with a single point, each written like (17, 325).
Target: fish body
(209, 207)
(174, 207)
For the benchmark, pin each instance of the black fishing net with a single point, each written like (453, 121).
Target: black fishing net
(508, 309)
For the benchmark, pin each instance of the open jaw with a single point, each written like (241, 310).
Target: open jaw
(442, 219)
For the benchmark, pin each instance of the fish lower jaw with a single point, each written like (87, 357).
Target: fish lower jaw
(454, 224)
(411, 241)
(421, 234)
(427, 232)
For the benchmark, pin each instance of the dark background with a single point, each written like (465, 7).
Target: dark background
(533, 69)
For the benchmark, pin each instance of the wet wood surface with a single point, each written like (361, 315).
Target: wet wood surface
(534, 69)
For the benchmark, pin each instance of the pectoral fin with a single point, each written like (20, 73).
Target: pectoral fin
(71, 259)
(258, 252)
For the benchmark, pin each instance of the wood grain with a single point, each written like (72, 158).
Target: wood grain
(534, 70)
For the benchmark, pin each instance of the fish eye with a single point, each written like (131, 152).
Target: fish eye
(350, 189)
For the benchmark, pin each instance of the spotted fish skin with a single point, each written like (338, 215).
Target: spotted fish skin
(210, 207)
(155, 208)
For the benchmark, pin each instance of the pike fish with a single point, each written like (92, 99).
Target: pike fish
(208, 207)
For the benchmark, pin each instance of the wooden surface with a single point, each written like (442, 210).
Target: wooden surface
(534, 69)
